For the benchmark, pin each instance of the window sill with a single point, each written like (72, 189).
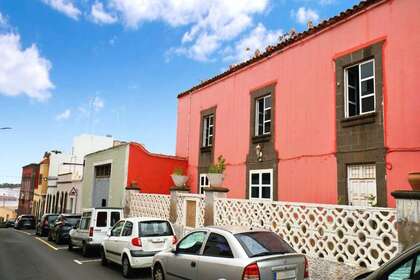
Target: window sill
(206, 149)
(359, 120)
(261, 138)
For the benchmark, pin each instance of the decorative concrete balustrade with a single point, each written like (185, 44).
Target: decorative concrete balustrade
(365, 237)
(357, 236)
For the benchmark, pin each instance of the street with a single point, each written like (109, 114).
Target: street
(23, 255)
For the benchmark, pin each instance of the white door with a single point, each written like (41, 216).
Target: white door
(362, 184)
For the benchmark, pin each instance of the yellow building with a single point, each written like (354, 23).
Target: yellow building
(41, 191)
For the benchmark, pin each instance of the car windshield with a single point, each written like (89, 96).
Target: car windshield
(263, 243)
(72, 220)
(155, 228)
(52, 218)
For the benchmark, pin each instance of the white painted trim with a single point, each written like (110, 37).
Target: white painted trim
(260, 172)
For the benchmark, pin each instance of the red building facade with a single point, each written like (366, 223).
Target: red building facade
(30, 175)
(329, 115)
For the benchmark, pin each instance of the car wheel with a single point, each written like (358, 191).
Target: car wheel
(158, 273)
(104, 261)
(127, 270)
(70, 245)
(85, 250)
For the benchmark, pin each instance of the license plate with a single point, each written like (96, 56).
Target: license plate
(285, 275)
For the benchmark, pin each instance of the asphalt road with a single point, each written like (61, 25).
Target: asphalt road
(25, 256)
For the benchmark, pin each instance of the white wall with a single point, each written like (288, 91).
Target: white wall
(85, 144)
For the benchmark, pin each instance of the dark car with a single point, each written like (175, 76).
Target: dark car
(25, 222)
(405, 266)
(59, 230)
(43, 226)
(10, 223)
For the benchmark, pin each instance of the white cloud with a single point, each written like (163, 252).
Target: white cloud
(23, 71)
(326, 2)
(258, 38)
(303, 15)
(212, 22)
(3, 20)
(97, 104)
(64, 115)
(99, 15)
(64, 6)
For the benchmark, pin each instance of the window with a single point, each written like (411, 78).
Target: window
(115, 217)
(128, 229)
(217, 246)
(360, 89)
(101, 219)
(116, 230)
(204, 183)
(103, 170)
(403, 272)
(85, 221)
(192, 243)
(361, 184)
(263, 115)
(155, 228)
(263, 243)
(208, 130)
(261, 184)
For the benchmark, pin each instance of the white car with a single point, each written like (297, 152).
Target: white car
(94, 224)
(133, 242)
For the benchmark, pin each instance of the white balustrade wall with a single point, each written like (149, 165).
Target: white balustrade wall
(356, 236)
(149, 205)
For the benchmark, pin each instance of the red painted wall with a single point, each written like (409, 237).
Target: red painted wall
(152, 172)
(305, 113)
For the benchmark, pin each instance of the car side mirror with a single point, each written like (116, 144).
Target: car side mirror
(108, 233)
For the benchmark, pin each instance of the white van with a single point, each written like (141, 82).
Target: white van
(93, 226)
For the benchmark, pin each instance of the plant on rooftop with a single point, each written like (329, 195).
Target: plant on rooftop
(178, 177)
(216, 170)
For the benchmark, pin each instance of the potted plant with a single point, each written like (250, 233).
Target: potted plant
(178, 177)
(414, 180)
(216, 170)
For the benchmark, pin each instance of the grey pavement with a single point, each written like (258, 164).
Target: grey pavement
(23, 256)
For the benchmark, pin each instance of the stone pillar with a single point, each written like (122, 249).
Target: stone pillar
(128, 196)
(408, 218)
(174, 201)
(212, 194)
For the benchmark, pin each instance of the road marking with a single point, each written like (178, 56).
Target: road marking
(46, 243)
(21, 231)
(86, 261)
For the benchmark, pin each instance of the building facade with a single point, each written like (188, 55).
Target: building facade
(40, 191)
(30, 175)
(107, 173)
(325, 116)
(66, 174)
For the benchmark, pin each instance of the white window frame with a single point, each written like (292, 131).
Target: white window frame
(206, 130)
(346, 86)
(206, 179)
(260, 186)
(263, 98)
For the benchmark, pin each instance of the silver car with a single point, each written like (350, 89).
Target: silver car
(223, 253)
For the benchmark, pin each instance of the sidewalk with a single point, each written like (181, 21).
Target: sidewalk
(320, 269)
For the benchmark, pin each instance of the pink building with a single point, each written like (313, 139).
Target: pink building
(328, 115)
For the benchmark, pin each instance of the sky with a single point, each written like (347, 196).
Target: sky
(115, 67)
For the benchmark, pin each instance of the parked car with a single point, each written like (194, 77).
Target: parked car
(43, 226)
(93, 227)
(133, 242)
(10, 223)
(224, 253)
(405, 266)
(25, 222)
(59, 230)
